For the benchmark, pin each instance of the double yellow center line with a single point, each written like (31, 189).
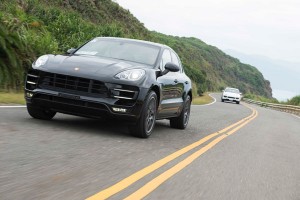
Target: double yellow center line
(157, 181)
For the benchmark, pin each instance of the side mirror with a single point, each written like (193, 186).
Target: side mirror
(172, 67)
(71, 51)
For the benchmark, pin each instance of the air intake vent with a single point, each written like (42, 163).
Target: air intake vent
(32, 80)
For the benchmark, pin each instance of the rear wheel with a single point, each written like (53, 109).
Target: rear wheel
(182, 120)
(39, 113)
(237, 102)
(145, 124)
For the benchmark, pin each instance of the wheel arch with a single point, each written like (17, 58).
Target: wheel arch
(190, 93)
(156, 89)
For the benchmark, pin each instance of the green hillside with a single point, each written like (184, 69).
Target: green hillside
(30, 28)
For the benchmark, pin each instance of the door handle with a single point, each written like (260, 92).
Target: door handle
(176, 81)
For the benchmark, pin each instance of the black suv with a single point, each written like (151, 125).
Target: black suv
(134, 80)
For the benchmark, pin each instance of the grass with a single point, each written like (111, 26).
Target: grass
(12, 98)
(201, 100)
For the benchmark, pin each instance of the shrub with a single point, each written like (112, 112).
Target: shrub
(294, 101)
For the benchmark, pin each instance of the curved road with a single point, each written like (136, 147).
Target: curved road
(77, 158)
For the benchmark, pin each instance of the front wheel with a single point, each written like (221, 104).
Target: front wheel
(39, 113)
(182, 120)
(145, 124)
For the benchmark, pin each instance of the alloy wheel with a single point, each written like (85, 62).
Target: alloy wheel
(151, 116)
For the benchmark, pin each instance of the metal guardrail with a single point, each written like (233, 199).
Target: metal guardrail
(281, 107)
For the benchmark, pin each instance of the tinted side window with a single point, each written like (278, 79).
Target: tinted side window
(175, 60)
(166, 57)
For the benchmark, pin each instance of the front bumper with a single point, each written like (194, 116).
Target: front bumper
(229, 98)
(112, 100)
(85, 106)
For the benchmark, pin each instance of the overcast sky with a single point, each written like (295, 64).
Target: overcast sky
(270, 27)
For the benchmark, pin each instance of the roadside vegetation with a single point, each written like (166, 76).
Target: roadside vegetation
(203, 99)
(12, 98)
(293, 101)
(31, 28)
(260, 98)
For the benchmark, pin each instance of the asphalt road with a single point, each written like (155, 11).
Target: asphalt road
(75, 158)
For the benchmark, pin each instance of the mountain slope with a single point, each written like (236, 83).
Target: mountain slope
(41, 27)
(219, 69)
(283, 74)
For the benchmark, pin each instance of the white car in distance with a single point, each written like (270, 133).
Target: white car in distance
(231, 94)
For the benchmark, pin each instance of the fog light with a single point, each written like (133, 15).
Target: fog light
(123, 110)
(29, 94)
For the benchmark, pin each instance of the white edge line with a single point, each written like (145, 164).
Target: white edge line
(12, 106)
(208, 103)
(296, 116)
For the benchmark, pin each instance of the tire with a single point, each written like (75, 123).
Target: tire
(237, 102)
(39, 113)
(222, 100)
(182, 120)
(145, 124)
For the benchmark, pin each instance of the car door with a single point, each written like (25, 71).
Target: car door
(170, 89)
(181, 80)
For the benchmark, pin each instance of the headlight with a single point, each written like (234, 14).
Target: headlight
(132, 75)
(41, 61)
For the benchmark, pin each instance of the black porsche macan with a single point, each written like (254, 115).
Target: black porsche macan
(133, 80)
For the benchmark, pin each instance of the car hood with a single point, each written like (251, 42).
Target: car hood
(231, 94)
(87, 66)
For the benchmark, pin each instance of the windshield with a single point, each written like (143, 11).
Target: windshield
(123, 50)
(232, 90)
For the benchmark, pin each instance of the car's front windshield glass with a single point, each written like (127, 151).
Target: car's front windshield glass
(232, 90)
(122, 50)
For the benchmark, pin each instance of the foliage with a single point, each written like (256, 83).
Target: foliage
(30, 28)
(13, 54)
(260, 98)
(294, 101)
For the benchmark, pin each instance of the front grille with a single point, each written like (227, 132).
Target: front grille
(72, 84)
